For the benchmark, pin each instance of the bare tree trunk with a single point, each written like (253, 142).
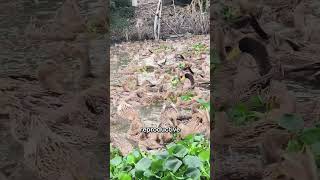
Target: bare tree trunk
(135, 3)
(139, 24)
(201, 16)
(174, 7)
(159, 23)
(127, 34)
(157, 18)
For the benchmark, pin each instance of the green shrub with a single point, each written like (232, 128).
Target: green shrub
(120, 3)
(121, 13)
(229, 13)
(185, 159)
(200, 48)
(242, 114)
(302, 137)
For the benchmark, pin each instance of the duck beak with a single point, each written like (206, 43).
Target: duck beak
(235, 52)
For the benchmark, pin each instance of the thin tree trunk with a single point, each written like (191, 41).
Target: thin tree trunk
(157, 18)
(135, 3)
(159, 23)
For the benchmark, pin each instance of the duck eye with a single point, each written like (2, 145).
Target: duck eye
(228, 49)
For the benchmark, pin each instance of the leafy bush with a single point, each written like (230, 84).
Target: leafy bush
(200, 48)
(185, 159)
(241, 114)
(121, 13)
(187, 96)
(229, 13)
(120, 3)
(303, 137)
(204, 104)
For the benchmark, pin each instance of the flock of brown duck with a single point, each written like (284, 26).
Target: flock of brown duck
(148, 79)
(256, 56)
(49, 132)
(267, 42)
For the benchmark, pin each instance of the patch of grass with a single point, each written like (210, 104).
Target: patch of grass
(175, 81)
(146, 69)
(242, 114)
(204, 104)
(187, 96)
(199, 48)
(185, 159)
(173, 98)
(119, 22)
(164, 47)
(92, 28)
(182, 65)
(121, 14)
(256, 103)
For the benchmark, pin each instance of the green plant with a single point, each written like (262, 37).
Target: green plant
(256, 103)
(187, 96)
(175, 81)
(121, 3)
(121, 14)
(164, 47)
(199, 48)
(229, 13)
(146, 69)
(185, 159)
(242, 114)
(92, 28)
(182, 65)
(204, 104)
(302, 137)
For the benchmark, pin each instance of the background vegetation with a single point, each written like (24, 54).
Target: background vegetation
(121, 14)
(185, 159)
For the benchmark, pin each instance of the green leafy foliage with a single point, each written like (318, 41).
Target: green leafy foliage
(204, 104)
(303, 137)
(187, 96)
(164, 48)
(310, 136)
(182, 65)
(291, 122)
(294, 145)
(185, 159)
(242, 114)
(121, 13)
(175, 81)
(199, 48)
(229, 13)
(256, 103)
(146, 69)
